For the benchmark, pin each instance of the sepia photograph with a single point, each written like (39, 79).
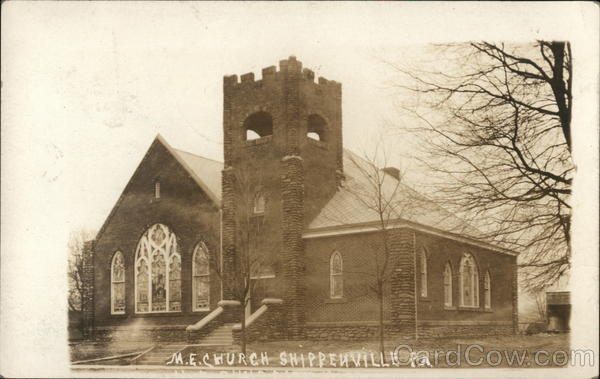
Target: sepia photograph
(239, 189)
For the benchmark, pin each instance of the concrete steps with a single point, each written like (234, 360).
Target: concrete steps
(220, 336)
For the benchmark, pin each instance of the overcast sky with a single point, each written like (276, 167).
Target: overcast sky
(99, 81)
(86, 86)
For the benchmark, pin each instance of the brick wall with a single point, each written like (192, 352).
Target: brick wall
(403, 304)
(442, 250)
(183, 207)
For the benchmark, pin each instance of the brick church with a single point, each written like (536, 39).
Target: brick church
(166, 261)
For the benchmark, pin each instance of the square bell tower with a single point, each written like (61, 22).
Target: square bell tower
(283, 135)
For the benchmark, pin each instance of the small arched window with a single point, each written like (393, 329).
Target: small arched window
(487, 288)
(448, 285)
(469, 282)
(258, 125)
(336, 279)
(157, 271)
(316, 127)
(201, 278)
(258, 206)
(423, 265)
(117, 288)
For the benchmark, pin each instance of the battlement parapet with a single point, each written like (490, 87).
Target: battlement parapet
(286, 67)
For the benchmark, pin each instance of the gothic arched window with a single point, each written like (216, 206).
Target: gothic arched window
(117, 288)
(157, 271)
(448, 285)
(423, 265)
(336, 279)
(487, 290)
(469, 282)
(200, 278)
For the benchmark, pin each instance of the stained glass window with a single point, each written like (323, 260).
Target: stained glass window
(158, 287)
(469, 281)
(336, 280)
(118, 284)
(448, 285)
(201, 278)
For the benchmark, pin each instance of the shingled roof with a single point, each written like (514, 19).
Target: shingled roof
(348, 208)
(206, 172)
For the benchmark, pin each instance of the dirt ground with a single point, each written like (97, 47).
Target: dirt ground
(541, 350)
(501, 351)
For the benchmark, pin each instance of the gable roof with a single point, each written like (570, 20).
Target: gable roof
(348, 212)
(205, 172)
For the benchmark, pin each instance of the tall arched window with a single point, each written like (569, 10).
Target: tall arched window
(448, 285)
(469, 282)
(157, 271)
(423, 259)
(117, 288)
(336, 279)
(200, 278)
(487, 288)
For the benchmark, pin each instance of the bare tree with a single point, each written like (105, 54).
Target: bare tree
(75, 269)
(378, 193)
(494, 121)
(251, 247)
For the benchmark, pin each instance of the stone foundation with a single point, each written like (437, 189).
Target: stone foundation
(356, 332)
(472, 329)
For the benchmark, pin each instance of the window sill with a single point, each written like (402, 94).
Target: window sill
(158, 314)
(335, 301)
(449, 308)
(470, 309)
(321, 144)
(118, 315)
(488, 310)
(258, 141)
(199, 310)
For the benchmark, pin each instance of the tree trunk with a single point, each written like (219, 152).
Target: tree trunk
(381, 329)
(243, 329)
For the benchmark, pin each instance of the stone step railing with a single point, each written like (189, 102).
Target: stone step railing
(262, 323)
(212, 315)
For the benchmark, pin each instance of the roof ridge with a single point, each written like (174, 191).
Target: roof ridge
(196, 155)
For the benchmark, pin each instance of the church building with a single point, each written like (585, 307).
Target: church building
(282, 211)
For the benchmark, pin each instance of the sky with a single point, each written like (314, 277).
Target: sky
(86, 87)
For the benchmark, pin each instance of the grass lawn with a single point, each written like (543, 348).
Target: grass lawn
(488, 352)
